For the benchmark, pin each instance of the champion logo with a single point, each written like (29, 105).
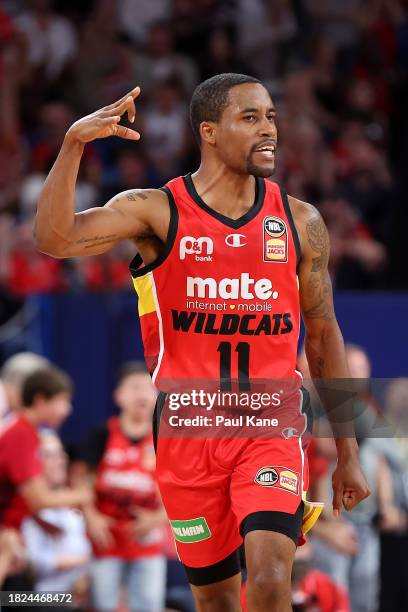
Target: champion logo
(235, 240)
(290, 432)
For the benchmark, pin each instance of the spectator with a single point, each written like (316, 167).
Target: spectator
(165, 63)
(11, 552)
(314, 590)
(165, 129)
(356, 258)
(46, 397)
(126, 524)
(51, 38)
(13, 374)
(221, 55)
(267, 31)
(58, 560)
(357, 569)
(393, 516)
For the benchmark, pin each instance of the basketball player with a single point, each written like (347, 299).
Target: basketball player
(211, 245)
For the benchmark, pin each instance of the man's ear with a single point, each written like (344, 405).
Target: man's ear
(207, 132)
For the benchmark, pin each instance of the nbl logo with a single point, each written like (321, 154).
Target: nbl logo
(275, 240)
(202, 248)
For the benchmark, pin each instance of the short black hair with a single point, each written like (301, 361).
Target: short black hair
(211, 97)
(130, 368)
(47, 382)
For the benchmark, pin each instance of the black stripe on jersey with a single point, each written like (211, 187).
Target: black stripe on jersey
(260, 190)
(136, 265)
(296, 240)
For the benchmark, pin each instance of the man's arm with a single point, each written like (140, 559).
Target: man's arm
(38, 495)
(324, 343)
(61, 232)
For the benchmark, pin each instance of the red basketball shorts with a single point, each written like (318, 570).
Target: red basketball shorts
(209, 486)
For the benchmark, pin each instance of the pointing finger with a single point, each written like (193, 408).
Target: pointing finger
(337, 500)
(134, 93)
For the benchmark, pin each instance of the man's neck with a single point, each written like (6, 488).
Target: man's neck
(228, 193)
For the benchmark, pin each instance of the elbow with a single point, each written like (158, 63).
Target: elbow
(47, 244)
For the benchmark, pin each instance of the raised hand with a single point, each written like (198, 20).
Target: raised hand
(105, 121)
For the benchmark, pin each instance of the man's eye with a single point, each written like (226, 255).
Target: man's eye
(271, 118)
(249, 117)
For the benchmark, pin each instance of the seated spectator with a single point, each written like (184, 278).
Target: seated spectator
(46, 399)
(356, 257)
(50, 37)
(60, 559)
(13, 374)
(165, 129)
(164, 63)
(126, 524)
(314, 590)
(11, 553)
(28, 271)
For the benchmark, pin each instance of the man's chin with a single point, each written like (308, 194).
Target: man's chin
(261, 171)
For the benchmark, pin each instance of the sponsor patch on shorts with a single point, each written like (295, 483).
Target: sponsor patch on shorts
(191, 531)
(278, 477)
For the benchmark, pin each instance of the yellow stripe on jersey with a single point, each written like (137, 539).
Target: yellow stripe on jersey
(144, 289)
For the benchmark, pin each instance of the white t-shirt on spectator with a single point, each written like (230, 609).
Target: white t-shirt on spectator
(43, 549)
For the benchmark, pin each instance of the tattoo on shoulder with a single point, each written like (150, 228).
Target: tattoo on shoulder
(318, 289)
(138, 193)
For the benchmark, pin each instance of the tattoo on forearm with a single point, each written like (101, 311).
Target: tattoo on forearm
(319, 286)
(96, 240)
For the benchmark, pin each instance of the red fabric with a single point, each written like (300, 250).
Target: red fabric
(103, 274)
(126, 481)
(215, 480)
(19, 461)
(36, 274)
(327, 594)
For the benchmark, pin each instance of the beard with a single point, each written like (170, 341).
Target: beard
(260, 171)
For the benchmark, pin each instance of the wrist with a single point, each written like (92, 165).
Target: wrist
(71, 140)
(347, 448)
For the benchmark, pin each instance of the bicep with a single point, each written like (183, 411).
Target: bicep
(316, 294)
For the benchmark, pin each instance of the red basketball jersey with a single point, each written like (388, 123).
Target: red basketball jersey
(221, 302)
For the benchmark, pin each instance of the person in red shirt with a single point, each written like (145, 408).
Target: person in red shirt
(46, 398)
(126, 524)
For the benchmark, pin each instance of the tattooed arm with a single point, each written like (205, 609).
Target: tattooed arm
(324, 343)
(61, 232)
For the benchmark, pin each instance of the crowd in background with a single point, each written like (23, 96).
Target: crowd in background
(337, 74)
(91, 522)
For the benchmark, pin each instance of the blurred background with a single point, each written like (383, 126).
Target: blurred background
(337, 72)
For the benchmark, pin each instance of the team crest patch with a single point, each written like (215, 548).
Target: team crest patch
(190, 531)
(275, 240)
(279, 478)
